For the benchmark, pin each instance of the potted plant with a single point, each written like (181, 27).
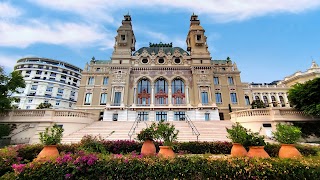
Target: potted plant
(168, 134)
(287, 135)
(238, 135)
(256, 145)
(147, 136)
(50, 139)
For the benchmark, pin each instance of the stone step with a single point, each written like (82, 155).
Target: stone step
(209, 130)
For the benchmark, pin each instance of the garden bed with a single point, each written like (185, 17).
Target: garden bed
(98, 159)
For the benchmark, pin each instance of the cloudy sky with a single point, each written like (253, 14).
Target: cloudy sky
(268, 39)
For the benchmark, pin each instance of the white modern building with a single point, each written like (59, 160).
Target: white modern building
(48, 81)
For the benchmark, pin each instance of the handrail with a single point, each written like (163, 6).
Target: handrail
(192, 126)
(134, 126)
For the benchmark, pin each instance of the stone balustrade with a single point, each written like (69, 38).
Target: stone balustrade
(267, 118)
(46, 115)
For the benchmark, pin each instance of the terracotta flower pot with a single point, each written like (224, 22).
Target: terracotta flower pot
(257, 151)
(166, 152)
(47, 153)
(238, 150)
(289, 151)
(148, 148)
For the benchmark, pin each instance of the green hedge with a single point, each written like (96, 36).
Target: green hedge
(29, 152)
(90, 166)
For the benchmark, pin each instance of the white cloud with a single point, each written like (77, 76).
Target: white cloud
(9, 11)
(8, 61)
(220, 10)
(58, 33)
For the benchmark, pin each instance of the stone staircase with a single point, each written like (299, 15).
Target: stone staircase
(209, 130)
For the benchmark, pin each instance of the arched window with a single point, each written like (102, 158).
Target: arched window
(178, 95)
(283, 104)
(265, 101)
(161, 92)
(257, 98)
(274, 101)
(144, 91)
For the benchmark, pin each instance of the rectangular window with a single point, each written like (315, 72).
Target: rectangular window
(57, 103)
(60, 90)
(160, 115)
(59, 96)
(38, 72)
(143, 116)
(123, 37)
(73, 93)
(28, 107)
(216, 80)
(218, 98)
(46, 101)
(103, 99)
(230, 81)
(206, 116)
(49, 89)
(198, 37)
(30, 100)
(91, 81)
(179, 116)
(115, 117)
(105, 81)
(204, 98)
(87, 99)
(34, 87)
(247, 100)
(233, 97)
(117, 98)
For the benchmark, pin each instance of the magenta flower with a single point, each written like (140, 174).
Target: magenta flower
(18, 168)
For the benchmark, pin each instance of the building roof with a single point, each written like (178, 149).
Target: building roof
(157, 47)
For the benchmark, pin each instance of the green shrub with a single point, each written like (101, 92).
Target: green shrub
(5, 129)
(254, 139)
(52, 137)
(287, 134)
(148, 133)
(237, 133)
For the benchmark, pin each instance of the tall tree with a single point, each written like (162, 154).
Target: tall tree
(306, 97)
(9, 84)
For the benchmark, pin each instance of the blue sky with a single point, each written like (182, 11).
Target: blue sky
(267, 39)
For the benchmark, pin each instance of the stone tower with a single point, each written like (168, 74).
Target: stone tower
(196, 40)
(124, 42)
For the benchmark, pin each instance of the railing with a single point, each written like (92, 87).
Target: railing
(32, 113)
(192, 126)
(134, 126)
(70, 114)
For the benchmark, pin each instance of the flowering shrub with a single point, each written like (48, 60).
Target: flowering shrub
(134, 166)
(8, 156)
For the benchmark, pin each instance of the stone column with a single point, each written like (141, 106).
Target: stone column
(152, 94)
(187, 95)
(169, 95)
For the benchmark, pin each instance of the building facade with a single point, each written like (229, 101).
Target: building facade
(48, 81)
(161, 81)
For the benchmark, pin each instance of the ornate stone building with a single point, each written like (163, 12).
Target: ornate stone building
(161, 81)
